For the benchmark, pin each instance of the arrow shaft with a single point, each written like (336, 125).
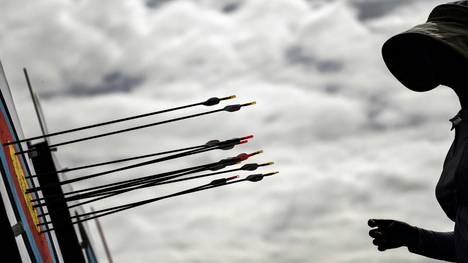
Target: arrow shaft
(160, 181)
(170, 157)
(134, 128)
(116, 209)
(118, 161)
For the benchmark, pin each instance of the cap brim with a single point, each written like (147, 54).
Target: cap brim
(406, 58)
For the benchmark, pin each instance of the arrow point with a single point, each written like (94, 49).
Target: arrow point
(228, 97)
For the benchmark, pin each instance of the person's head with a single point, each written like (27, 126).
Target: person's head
(433, 53)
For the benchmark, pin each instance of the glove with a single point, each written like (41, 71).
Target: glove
(388, 234)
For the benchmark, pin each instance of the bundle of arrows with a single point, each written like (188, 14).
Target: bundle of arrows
(55, 203)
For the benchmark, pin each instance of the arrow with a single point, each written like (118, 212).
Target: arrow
(108, 211)
(226, 145)
(209, 102)
(229, 108)
(185, 171)
(107, 194)
(157, 160)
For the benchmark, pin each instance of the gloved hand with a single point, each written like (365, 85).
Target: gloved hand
(390, 234)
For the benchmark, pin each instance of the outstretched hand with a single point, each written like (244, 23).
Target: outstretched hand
(389, 234)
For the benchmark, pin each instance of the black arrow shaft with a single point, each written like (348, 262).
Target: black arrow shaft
(150, 183)
(135, 128)
(209, 102)
(127, 205)
(212, 166)
(141, 179)
(104, 123)
(119, 161)
(170, 157)
(160, 181)
(94, 191)
(116, 209)
(229, 108)
(112, 210)
(136, 183)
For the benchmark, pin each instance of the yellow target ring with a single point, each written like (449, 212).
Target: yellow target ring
(23, 185)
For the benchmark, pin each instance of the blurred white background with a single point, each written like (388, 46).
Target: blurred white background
(350, 141)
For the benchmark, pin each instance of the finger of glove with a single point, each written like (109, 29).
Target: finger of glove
(375, 233)
(379, 222)
(381, 248)
(378, 242)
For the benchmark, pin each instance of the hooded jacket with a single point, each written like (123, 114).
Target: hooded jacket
(452, 195)
(448, 26)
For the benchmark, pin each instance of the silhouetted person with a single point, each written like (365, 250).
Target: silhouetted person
(429, 55)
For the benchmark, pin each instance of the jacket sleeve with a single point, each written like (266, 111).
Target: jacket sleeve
(461, 233)
(436, 245)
